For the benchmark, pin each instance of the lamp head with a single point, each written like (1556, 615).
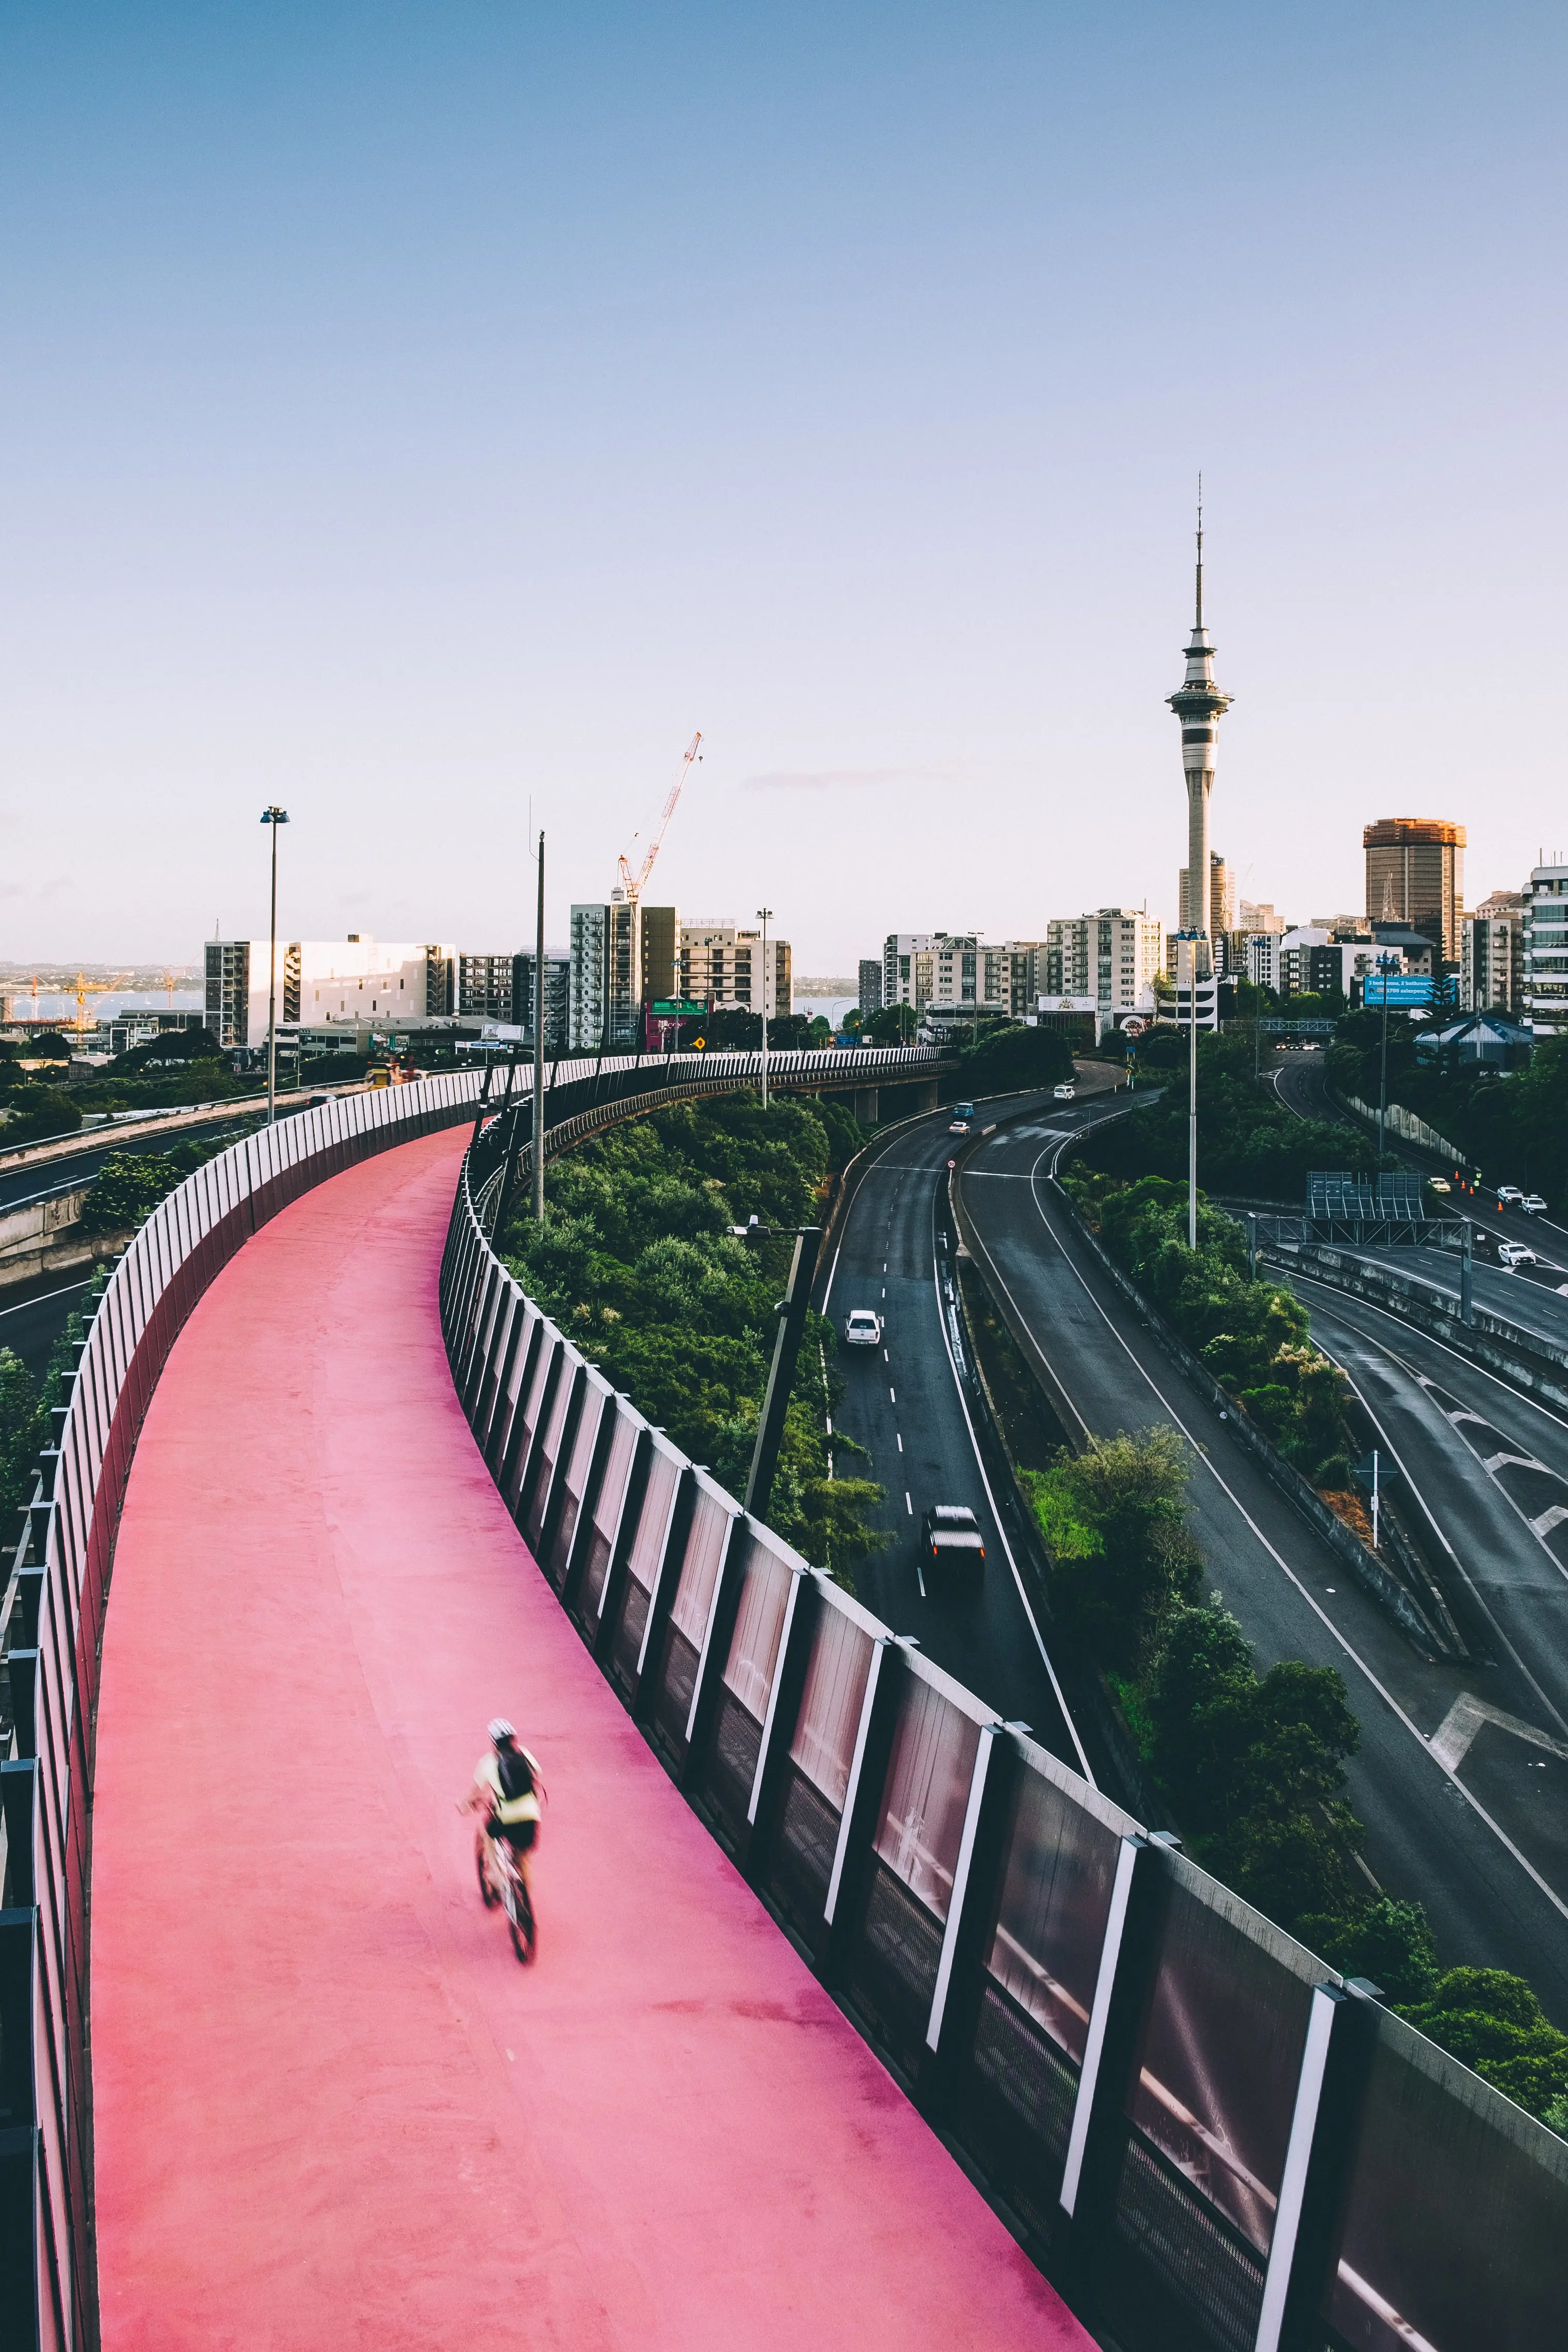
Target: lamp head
(275, 816)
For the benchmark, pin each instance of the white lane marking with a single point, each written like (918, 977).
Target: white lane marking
(1390, 1701)
(1381, 1362)
(884, 1355)
(907, 1504)
(995, 1514)
(900, 1441)
(1554, 1518)
(891, 1398)
(1450, 1743)
(64, 1292)
(1523, 1461)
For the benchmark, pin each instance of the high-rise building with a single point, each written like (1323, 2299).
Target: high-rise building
(352, 983)
(485, 986)
(1259, 916)
(869, 986)
(1415, 875)
(1112, 955)
(1221, 899)
(1492, 954)
(557, 997)
(1543, 995)
(721, 966)
(623, 956)
(1199, 705)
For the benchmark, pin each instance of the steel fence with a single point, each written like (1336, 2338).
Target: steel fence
(57, 1580)
(1206, 2136)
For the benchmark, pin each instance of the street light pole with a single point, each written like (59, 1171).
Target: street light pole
(273, 816)
(765, 916)
(539, 1047)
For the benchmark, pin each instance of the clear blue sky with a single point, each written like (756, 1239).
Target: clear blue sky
(410, 410)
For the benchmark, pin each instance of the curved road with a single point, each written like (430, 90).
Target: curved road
(1480, 1847)
(904, 1405)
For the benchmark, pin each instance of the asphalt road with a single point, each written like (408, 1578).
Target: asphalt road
(1480, 1839)
(30, 1326)
(46, 1178)
(903, 1405)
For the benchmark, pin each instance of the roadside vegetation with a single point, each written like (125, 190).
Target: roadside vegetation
(1253, 1336)
(636, 1261)
(1252, 1765)
(1247, 1142)
(1512, 1123)
(26, 1406)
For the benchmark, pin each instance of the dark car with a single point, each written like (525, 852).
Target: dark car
(953, 1549)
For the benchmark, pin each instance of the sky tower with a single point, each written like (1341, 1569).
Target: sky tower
(1199, 705)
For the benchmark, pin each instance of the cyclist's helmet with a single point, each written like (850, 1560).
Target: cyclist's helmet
(498, 1732)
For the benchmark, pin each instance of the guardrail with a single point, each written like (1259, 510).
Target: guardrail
(51, 1623)
(1211, 2140)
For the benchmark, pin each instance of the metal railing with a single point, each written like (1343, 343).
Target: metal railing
(1207, 2138)
(51, 1622)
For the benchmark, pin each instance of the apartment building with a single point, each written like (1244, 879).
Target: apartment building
(326, 983)
(1112, 955)
(485, 986)
(721, 966)
(1543, 994)
(1492, 954)
(869, 986)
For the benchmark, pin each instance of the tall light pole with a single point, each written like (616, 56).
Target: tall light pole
(539, 1047)
(273, 816)
(765, 916)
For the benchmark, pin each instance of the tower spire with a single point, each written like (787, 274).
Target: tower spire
(1199, 622)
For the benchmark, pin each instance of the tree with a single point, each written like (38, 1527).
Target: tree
(1493, 2024)
(893, 1025)
(1016, 1057)
(1389, 1942)
(1115, 1520)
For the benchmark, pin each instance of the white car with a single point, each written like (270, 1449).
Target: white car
(1516, 1254)
(1533, 1205)
(1509, 1196)
(1066, 1092)
(863, 1328)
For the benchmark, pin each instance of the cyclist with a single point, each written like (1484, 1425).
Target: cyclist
(507, 1785)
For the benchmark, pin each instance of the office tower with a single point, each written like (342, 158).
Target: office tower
(1221, 899)
(1415, 875)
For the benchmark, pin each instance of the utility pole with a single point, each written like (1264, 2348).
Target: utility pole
(273, 816)
(765, 915)
(1386, 964)
(540, 1045)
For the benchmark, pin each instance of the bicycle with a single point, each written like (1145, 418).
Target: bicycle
(501, 1882)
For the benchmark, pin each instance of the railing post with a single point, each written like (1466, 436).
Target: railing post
(956, 1999)
(1341, 2030)
(779, 1723)
(850, 1880)
(1098, 2132)
(717, 1632)
(661, 1597)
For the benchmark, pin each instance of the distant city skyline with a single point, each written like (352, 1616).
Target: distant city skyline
(429, 421)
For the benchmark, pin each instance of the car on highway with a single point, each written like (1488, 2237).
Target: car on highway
(1065, 1092)
(1509, 1196)
(862, 1327)
(1533, 1205)
(1516, 1254)
(954, 1547)
(962, 1115)
(1439, 1184)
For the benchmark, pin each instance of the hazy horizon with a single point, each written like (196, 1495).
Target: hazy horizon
(422, 416)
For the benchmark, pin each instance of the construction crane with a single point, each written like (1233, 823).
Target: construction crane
(633, 884)
(86, 988)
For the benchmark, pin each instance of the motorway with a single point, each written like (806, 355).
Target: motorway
(903, 1405)
(1462, 1813)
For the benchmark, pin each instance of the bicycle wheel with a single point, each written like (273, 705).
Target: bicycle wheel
(521, 1920)
(488, 1893)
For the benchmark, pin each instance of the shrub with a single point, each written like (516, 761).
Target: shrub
(1115, 1520)
(1493, 2024)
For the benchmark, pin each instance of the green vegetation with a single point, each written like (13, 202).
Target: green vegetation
(24, 1409)
(1252, 1765)
(1513, 1125)
(1247, 1142)
(1014, 1057)
(129, 1185)
(1253, 1336)
(636, 1261)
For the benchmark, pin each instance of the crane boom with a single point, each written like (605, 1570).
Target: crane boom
(633, 884)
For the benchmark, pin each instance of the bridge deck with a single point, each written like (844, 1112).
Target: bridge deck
(331, 2107)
